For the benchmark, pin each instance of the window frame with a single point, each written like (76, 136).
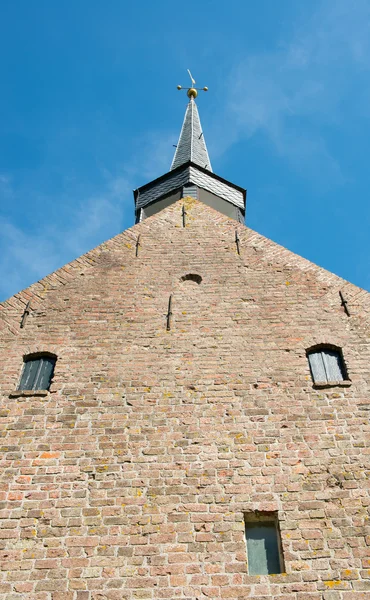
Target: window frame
(263, 519)
(38, 376)
(320, 349)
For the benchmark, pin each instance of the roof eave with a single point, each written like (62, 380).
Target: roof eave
(186, 166)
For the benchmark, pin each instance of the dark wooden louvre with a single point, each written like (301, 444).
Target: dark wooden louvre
(37, 373)
(326, 365)
(30, 369)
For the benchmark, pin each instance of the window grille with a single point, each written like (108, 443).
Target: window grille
(326, 365)
(37, 373)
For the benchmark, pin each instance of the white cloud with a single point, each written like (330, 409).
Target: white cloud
(27, 254)
(152, 156)
(85, 219)
(98, 216)
(292, 95)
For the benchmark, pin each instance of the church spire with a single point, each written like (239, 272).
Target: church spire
(191, 174)
(191, 145)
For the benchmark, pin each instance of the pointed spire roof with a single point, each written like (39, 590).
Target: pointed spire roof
(191, 174)
(191, 145)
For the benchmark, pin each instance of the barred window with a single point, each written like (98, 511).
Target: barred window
(326, 365)
(37, 372)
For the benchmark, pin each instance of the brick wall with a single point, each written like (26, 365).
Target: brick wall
(130, 479)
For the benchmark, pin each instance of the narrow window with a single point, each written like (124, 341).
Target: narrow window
(326, 365)
(37, 372)
(263, 544)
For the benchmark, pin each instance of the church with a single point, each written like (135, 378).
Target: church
(184, 412)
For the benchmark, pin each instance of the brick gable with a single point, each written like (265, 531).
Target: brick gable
(131, 477)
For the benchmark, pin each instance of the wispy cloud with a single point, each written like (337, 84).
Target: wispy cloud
(98, 215)
(152, 155)
(29, 253)
(293, 96)
(85, 219)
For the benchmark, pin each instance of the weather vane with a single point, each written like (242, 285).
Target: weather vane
(192, 91)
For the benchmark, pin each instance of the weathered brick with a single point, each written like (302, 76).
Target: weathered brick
(131, 477)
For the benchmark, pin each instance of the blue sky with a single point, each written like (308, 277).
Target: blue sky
(89, 111)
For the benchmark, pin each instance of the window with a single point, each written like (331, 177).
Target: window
(263, 544)
(192, 277)
(327, 365)
(37, 372)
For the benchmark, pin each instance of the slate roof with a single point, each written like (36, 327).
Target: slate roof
(190, 165)
(189, 173)
(191, 145)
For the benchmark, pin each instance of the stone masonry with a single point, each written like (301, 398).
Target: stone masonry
(130, 478)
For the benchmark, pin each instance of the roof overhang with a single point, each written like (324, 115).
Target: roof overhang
(190, 173)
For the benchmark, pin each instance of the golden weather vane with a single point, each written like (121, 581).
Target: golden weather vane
(192, 91)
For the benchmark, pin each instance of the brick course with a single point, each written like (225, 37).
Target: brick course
(130, 478)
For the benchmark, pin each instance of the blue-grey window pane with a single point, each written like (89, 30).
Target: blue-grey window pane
(317, 366)
(262, 548)
(333, 365)
(30, 370)
(45, 373)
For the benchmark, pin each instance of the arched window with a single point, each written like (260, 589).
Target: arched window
(326, 364)
(38, 371)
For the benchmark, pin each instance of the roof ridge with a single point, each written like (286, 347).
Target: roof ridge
(192, 127)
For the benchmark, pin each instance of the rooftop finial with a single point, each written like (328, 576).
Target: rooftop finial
(192, 91)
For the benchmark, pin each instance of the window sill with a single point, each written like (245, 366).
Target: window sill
(22, 393)
(326, 384)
